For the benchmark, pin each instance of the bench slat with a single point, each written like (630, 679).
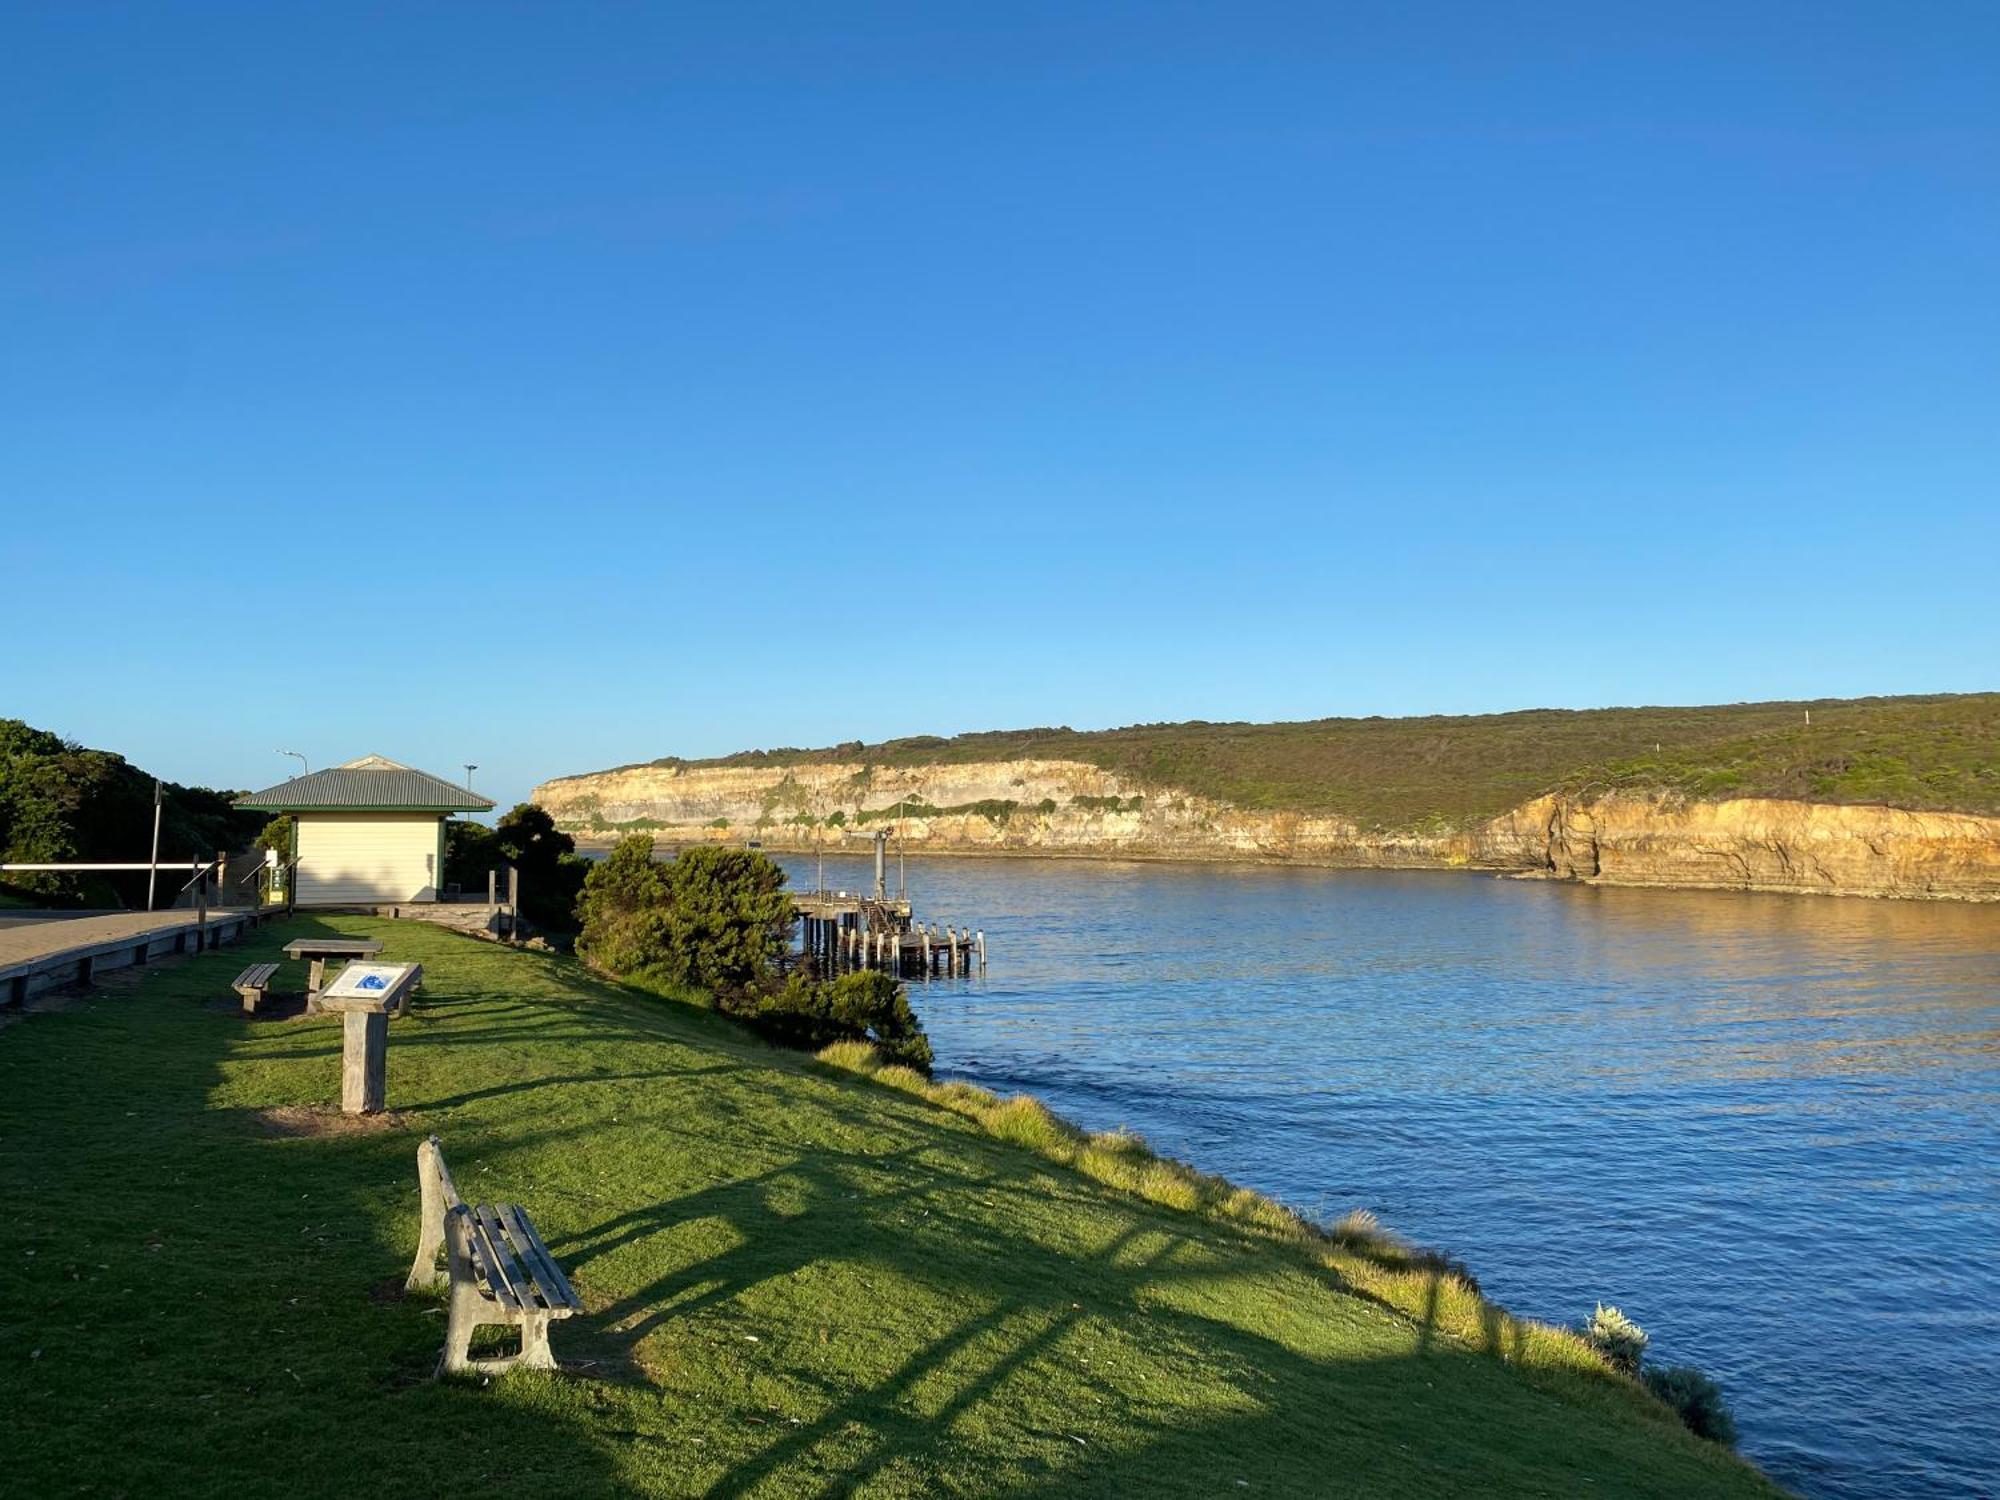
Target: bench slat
(556, 1293)
(503, 1272)
(256, 977)
(486, 1274)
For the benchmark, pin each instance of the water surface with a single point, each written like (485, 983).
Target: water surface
(1768, 1127)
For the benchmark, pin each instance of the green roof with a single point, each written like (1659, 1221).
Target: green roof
(374, 783)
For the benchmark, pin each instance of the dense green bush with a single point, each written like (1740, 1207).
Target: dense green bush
(813, 1013)
(715, 918)
(1696, 1399)
(718, 920)
(1617, 1338)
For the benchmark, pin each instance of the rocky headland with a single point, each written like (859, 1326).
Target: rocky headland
(1071, 808)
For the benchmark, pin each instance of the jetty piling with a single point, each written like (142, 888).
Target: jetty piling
(848, 930)
(840, 930)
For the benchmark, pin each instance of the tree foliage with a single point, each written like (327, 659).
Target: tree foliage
(281, 834)
(62, 803)
(552, 872)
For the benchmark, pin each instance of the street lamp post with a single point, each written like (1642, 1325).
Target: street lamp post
(469, 769)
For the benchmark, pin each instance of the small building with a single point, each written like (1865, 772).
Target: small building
(369, 832)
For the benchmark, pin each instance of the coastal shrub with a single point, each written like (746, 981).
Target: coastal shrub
(855, 1009)
(714, 918)
(1696, 1399)
(1617, 1338)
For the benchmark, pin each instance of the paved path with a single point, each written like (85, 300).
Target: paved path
(24, 942)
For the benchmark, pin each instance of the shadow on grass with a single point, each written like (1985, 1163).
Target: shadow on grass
(185, 1301)
(811, 1285)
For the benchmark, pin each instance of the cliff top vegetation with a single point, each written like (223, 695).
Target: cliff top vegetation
(1939, 752)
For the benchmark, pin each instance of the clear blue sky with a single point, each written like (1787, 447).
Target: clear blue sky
(551, 386)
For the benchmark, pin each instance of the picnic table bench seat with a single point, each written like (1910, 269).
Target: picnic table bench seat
(496, 1269)
(251, 984)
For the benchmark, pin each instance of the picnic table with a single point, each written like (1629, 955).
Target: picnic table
(319, 950)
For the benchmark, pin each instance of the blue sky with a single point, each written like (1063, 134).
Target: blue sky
(555, 386)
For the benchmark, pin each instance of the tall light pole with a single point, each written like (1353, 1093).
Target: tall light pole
(469, 769)
(304, 769)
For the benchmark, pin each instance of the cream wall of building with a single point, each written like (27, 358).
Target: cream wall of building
(355, 859)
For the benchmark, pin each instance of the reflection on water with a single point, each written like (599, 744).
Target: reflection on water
(1768, 1127)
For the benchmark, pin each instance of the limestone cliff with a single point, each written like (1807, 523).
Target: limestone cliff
(1056, 807)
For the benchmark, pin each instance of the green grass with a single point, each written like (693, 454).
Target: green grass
(1940, 752)
(799, 1281)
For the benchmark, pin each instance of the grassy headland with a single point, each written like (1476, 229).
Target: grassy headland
(1939, 753)
(798, 1281)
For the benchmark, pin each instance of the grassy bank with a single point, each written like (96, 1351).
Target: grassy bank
(799, 1281)
(1939, 753)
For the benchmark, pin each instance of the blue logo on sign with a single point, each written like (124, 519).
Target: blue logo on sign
(372, 982)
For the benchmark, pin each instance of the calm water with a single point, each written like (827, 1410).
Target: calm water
(1767, 1127)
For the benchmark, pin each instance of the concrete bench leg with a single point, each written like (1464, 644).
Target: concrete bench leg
(535, 1342)
(460, 1322)
(471, 1312)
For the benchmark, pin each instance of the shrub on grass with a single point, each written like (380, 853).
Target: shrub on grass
(714, 918)
(854, 1010)
(1697, 1400)
(1617, 1338)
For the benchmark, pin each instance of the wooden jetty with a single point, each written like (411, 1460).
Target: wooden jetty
(847, 930)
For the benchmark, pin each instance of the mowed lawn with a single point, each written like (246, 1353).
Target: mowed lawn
(797, 1282)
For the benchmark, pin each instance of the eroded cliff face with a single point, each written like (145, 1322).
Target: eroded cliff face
(1757, 843)
(1069, 808)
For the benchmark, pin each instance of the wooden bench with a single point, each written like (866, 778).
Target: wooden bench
(496, 1268)
(252, 983)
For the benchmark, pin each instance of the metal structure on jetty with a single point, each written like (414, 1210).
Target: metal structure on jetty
(846, 930)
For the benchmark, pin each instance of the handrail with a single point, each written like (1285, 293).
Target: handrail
(164, 864)
(200, 873)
